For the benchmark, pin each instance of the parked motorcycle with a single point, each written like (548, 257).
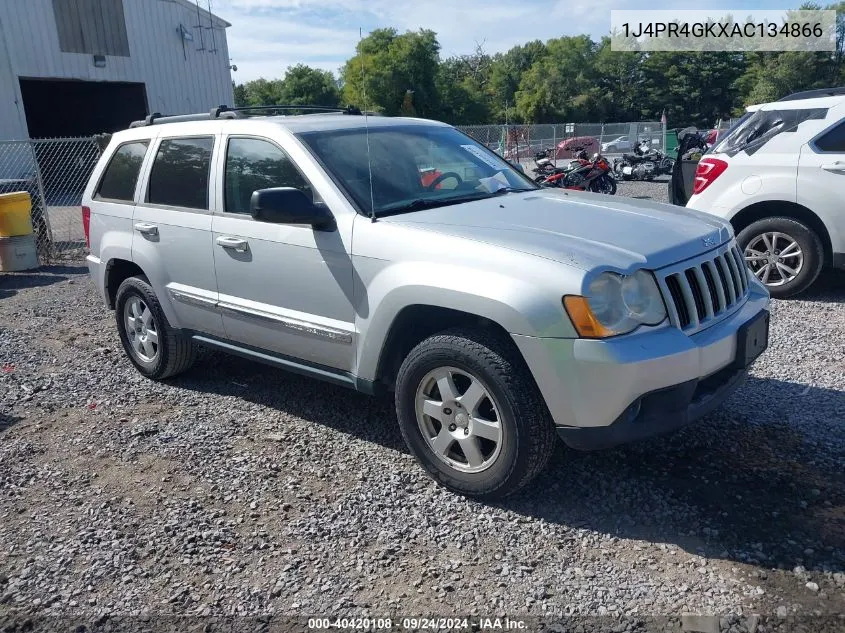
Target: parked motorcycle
(582, 174)
(543, 162)
(645, 163)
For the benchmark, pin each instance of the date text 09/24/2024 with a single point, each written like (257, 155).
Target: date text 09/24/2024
(416, 624)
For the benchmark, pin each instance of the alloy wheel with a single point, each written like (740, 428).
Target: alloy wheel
(774, 257)
(141, 329)
(459, 419)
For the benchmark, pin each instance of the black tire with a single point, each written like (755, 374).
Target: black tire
(528, 439)
(808, 242)
(175, 351)
(604, 184)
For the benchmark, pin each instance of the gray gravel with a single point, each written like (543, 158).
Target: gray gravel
(239, 489)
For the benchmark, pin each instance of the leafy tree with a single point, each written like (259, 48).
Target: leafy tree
(387, 65)
(556, 86)
(506, 72)
(618, 84)
(303, 85)
(239, 91)
(693, 88)
(463, 88)
(262, 92)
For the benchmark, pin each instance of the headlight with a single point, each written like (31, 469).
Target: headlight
(616, 304)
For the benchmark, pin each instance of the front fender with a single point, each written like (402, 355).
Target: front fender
(529, 304)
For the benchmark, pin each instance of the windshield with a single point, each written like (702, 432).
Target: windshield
(755, 129)
(413, 167)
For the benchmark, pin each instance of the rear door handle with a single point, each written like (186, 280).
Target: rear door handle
(233, 243)
(837, 166)
(146, 229)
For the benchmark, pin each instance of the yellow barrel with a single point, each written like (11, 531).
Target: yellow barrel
(15, 214)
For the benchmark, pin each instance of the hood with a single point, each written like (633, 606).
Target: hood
(579, 229)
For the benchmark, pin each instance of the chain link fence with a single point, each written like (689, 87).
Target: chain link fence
(522, 142)
(54, 172)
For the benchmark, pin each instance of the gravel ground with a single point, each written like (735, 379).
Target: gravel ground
(237, 489)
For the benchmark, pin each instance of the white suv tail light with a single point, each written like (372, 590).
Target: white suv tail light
(706, 172)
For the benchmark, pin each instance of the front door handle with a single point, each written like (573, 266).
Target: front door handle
(837, 167)
(146, 229)
(233, 243)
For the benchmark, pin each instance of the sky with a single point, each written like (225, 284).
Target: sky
(267, 36)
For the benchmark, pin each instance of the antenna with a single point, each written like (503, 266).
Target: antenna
(367, 128)
(200, 27)
(213, 48)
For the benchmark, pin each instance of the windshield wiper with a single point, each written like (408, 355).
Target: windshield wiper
(430, 203)
(512, 190)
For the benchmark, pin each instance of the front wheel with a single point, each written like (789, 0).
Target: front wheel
(471, 414)
(785, 254)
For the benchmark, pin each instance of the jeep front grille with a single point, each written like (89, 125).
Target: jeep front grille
(703, 290)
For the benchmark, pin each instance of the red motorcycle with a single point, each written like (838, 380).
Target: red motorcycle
(583, 175)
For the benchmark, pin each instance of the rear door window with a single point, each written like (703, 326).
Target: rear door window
(121, 174)
(180, 173)
(833, 140)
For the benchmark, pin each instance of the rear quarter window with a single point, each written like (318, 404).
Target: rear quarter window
(832, 140)
(121, 174)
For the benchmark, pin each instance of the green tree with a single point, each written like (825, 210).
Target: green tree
(386, 65)
(262, 92)
(618, 83)
(463, 88)
(694, 88)
(304, 85)
(506, 72)
(556, 87)
(239, 91)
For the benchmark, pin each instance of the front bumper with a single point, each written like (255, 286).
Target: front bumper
(603, 393)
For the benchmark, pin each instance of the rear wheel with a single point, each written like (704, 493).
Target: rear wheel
(156, 349)
(784, 254)
(471, 414)
(604, 184)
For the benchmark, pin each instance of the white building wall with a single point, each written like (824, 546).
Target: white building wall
(177, 81)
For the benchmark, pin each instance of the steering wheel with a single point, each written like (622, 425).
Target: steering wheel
(444, 176)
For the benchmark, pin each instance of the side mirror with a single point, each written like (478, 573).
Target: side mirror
(286, 205)
(518, 166)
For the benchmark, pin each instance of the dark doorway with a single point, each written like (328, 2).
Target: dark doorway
(56, 107)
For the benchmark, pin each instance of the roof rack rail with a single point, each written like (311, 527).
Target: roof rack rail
(226, 112)
(814, 94)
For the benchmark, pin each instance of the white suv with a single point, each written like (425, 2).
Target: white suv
(778, 176)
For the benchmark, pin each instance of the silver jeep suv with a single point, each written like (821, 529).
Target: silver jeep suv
(399, 255)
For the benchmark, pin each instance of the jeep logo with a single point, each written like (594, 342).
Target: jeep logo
(710, 241)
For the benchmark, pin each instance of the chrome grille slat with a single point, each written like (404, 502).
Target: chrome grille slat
(727, 281)
(689, 298)
(721, 301)
(736, 275)
(698, 271)
(674, 284)
(743, 269)
(705, 289)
